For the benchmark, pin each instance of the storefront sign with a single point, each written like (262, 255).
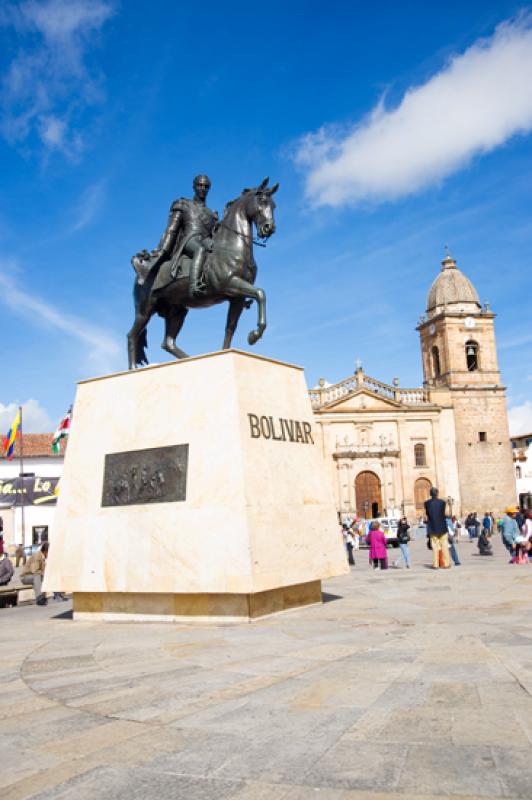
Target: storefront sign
(35, 491)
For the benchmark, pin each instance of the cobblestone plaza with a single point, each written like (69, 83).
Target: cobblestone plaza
(403, 684)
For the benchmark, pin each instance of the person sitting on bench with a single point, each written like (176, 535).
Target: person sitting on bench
(6, 569)
(32, 573)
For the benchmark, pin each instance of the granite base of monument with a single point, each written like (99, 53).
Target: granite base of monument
(194, 490)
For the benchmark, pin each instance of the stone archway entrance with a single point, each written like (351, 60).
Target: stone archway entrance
(368, 495)
(422, 488)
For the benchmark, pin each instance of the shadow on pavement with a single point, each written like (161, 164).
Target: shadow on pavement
(68, 614)
(328, 598)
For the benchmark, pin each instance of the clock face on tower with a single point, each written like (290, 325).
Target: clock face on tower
(469, 322)
(432, 329)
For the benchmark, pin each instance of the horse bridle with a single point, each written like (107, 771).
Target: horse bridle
(243, 235)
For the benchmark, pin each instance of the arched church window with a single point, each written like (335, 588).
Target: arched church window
(436, 368)
(471, 350)
(420, 455)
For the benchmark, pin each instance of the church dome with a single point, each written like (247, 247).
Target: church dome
(452, 290)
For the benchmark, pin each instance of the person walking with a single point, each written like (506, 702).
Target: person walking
(486, 524)
(527, 533)
(356, 539)
(403, 537)
(510, 531)
(20, 555)
(451, 538)
(472, 524)
(526, 529)
(377, 547)
(350, 543)
(437, 529)
(32, 573)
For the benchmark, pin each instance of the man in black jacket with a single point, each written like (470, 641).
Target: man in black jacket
(437, 529)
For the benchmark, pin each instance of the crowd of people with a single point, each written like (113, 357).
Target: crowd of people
(516, 531)
(357, 532)
(443, 532)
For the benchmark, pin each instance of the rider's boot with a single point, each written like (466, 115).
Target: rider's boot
(195, 272)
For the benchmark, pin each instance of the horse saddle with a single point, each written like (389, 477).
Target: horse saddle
(165, 274)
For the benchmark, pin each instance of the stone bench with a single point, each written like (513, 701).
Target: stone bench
(9, 594)
(15, 592)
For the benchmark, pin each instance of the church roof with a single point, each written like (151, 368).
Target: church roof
(331, 395)
(453, 290)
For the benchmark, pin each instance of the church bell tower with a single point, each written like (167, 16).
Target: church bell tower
(460, 368)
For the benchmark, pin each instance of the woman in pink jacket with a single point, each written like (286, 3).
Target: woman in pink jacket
(377, 547)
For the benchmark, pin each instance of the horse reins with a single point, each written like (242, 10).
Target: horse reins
(243, 235)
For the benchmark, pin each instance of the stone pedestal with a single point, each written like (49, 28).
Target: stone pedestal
(194, 490)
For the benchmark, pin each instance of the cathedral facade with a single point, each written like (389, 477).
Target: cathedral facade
(387, 446)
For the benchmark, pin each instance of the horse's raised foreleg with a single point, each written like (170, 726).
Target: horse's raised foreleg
(173, 322)
(236, 307)
(238, 287)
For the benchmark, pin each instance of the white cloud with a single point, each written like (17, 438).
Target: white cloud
(89, 206)
(35, 418)
(52, 131)
(64, 21)
(477, 102)
(520, 418)
(102, 348)
(47, 87)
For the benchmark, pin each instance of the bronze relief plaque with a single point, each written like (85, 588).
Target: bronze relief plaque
(137, 477)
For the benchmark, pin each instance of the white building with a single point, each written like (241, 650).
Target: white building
(522, 453)
(27, 506)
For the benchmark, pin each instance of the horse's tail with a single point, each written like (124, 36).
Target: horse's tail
(140, 340)
(141, 347)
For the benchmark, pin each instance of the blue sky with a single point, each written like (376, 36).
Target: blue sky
(394, 129)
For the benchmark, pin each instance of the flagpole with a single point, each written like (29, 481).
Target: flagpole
(22, 479)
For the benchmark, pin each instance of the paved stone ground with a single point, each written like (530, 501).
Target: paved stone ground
(404, 684)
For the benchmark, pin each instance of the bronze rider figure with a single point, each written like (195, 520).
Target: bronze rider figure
(189, 232)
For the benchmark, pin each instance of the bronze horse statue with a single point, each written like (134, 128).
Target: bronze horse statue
(229, 274)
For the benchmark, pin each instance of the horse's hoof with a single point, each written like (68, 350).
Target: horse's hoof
(253, 337)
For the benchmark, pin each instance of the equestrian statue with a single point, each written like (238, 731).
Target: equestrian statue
(200, 262)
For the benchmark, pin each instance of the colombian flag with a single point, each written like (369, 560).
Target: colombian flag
(9, 441)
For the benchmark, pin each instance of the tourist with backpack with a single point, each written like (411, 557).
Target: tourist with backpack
(403, 537)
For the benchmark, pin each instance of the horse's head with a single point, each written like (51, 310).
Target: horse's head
(260, 206)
